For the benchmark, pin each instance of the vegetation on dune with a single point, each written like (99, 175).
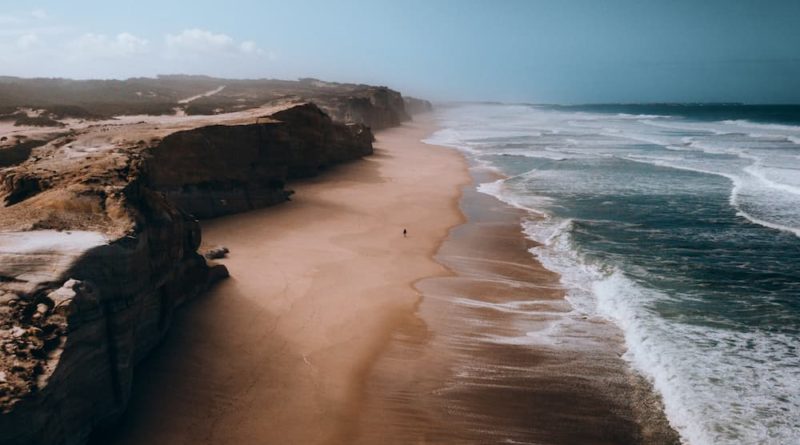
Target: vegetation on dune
(36, 121)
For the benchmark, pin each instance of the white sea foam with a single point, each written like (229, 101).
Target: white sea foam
(641, 116)
(693, 376)
(735, 195)
(750, 124)
(498, 190)
(701, 370)
(449, 137)
(757, 171)
(719, 386)
(513, 307)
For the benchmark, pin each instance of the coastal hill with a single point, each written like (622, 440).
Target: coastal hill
(55, 99)
(102, 184)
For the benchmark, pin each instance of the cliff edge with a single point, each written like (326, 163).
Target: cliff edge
(98, 246)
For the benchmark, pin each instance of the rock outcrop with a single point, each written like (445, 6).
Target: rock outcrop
(17, 151)
(417, 106)
(98, 246)
(81, 308)
(375, 107)
(218, 170)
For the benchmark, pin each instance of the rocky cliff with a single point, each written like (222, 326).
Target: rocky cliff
(293, 143)
(417, 106)
(375, 107)
(98, 246)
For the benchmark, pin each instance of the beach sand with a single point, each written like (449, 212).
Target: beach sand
(497, 355)
(335, 329)
(279, 353)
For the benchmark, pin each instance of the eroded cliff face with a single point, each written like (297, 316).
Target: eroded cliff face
(80, 308)
(98, 246)
(243, 167)
(375, 107)
(73, 338)
(417, 106)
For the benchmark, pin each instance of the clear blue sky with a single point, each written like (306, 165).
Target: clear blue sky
(543, 51)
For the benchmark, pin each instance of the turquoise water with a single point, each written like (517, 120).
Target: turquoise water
(681, 224)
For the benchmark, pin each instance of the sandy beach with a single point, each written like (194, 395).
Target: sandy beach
(334, 328)
(279, 353)
(400, 223)
(496, 354)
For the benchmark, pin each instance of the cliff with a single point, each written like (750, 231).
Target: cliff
(375, 107)
(98, 246)
(238, 168)
(417, 106)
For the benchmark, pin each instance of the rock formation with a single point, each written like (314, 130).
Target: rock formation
(417, 106)
(197, 168)
(375, 107)
(98, 246)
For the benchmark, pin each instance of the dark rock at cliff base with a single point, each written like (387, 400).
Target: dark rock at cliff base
(216, 253)
(13, 154)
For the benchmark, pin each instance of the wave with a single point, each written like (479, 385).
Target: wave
(733, 199)
(529, 154)
(719, 385)
(638, 137)
(497, 189)
(687, 365)
(677, 357)
(744, 129)
(642, 116)
(756, 171)
(691, 126)
(751, 124)
(449, 137)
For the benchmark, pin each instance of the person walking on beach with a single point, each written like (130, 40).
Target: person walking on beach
(405, 232)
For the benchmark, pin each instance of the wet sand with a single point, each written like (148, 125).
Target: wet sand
(496, 354)
(334, 329)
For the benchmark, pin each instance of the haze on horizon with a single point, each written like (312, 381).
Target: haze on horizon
(578, 51)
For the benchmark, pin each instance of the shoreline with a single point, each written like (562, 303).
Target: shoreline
(280, 351)
(335, 329)
(496, 353)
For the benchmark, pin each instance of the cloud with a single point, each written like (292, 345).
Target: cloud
(38, 22)
(39, 14)
(28, 41)
(6, 20)
(23, 19)
(34, 43)
(92, 45)
(196, 41)
(250, 47)
(129, 43)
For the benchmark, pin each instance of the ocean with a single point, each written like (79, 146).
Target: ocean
(678, 223)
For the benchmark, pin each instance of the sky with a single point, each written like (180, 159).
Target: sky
(543, 51)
